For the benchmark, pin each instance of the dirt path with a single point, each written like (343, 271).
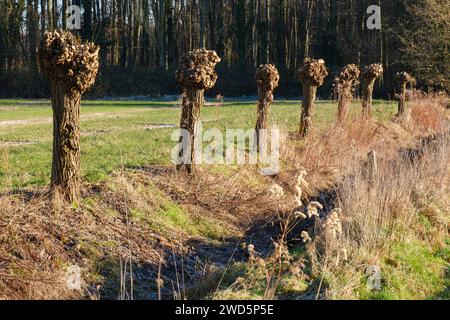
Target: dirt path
(87, 117)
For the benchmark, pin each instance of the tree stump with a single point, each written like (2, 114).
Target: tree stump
(267, 79)
(403, 78)
(311, 74)
(346, 82)
(370, 75)
(71, 68)
(195, 74)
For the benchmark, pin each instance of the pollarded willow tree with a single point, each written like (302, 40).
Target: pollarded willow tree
(311, 74)
(370, 75)
(402, 78)
(71, 68)
(346, 82)
(196, 73)
(267, 79)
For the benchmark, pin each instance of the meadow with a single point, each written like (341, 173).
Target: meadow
(145, 231)
(126, 133)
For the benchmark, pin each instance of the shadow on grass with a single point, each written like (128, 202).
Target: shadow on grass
(183, 272)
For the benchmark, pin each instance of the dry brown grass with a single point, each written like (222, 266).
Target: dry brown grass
(363, 214)
(118, 220)
(380, 212)
(38, 243)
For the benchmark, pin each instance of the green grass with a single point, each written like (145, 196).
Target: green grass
(116, 133)
(413, 271)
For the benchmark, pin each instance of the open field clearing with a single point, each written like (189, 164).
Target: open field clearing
(207, 152)
(124, 133)
(145, 231)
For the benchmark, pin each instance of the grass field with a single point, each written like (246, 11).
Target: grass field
(125, 133)
(201, 222)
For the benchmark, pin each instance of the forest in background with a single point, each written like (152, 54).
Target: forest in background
(142, 40)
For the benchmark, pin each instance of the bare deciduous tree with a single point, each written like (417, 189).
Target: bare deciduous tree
(71, 68)
(311, 74)
(267, 79)
(403, 78)
(196, 74)
(346, 82)
(370, 75)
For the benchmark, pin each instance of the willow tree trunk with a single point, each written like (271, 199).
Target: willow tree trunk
(343, 104)
(309, 93)
(65, 180)
(367, 97)
(262, 121)
(402, 100)
(192, 102)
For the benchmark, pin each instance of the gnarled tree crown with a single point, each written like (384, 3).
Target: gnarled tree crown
(403, 77)
(69, 62)
(196, 69)
(348, 77)
(373, 71)
(313, 72)
(267, 77)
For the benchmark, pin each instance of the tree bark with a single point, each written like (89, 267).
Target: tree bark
(343, 104)
(65, 180)
(264, 102)
(71, 68)
(309, 93)
(193, 101)
(367, 97)
(402, 100)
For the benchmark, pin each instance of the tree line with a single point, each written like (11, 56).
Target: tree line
(142, 41)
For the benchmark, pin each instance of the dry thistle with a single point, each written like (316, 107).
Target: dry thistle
(300, 183)
(276, 191)
(250, 249)
(345, 254)
(305, 237)
(313, 209)
(300, 215)
(333, 224)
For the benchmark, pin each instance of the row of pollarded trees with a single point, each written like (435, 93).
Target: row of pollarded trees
(312, 74)
(196, 74)
(71, 68)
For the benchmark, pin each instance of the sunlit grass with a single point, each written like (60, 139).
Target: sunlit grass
(120, 133)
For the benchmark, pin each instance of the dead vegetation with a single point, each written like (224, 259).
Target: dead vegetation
(155, 228)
